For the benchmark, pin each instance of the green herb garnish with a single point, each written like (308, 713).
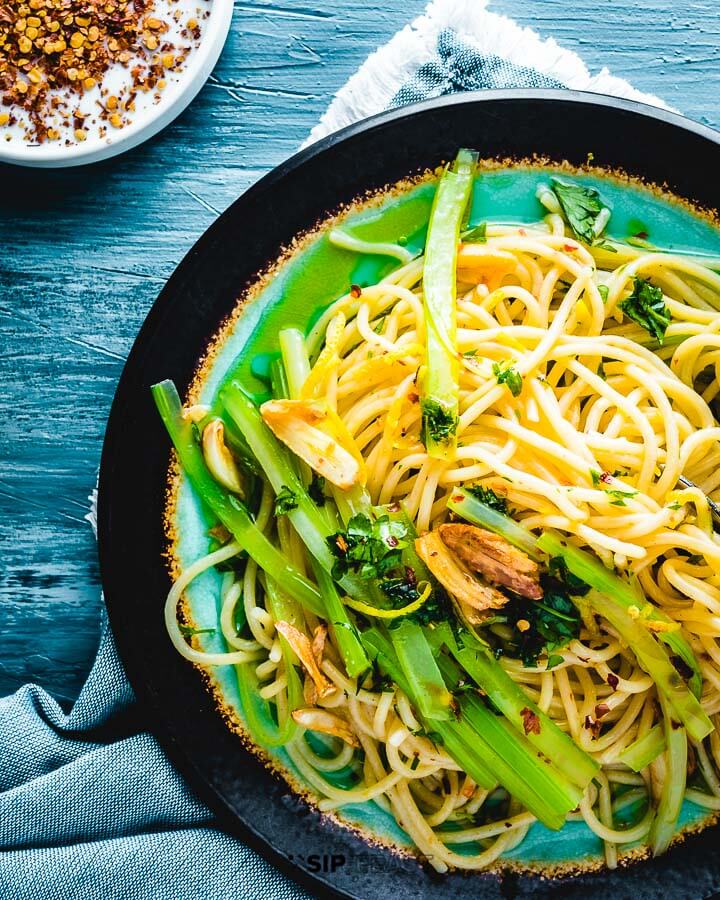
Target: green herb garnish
(368, 549)
(439, 424)
(553, 621)
(508, 376)
(316, 490)
(488, 497)
(620, 496)
(646, 306)
(559, 570)
(581, 207)
(285, 502)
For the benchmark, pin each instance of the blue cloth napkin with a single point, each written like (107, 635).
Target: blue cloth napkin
(90, 806)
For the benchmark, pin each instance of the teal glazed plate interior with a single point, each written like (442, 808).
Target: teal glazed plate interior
(305, 282)
(267, 263)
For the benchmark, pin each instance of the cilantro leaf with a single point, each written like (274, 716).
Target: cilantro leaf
(316, 490)
(285, 501)
(620, 496)
(604, 292)
(401, 591)
(368, 548)
(559, 570)
(581, 207)
(508, 376)
(646, 306)
(476, 235)
(488, 497)
(542, 626)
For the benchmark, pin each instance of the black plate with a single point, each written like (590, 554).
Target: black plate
(656, 145)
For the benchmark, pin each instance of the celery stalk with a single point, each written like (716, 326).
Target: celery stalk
(345, 633)
(511, 700)
(258, 716)
(227, 507)
(460, 744)
(545, 780)
(295, 358)
(644, 750)
(380, 649)
(609, 602)
(467, 747)
(421, 672)
(673, 787)
(307, 518)
(514, 761)
(440, 382)
(482, 747)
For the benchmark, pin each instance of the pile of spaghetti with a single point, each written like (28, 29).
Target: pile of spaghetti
(470, 567)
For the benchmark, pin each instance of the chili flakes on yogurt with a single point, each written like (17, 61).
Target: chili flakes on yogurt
(52, 52)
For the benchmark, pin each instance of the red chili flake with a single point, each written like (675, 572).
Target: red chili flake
(606, 478)
(612, 680)
(531, 723)
(458, 498)
(413, 397)
(570, 247)
(522, 231)
(602, 709)
(355, 291)
(593, 727)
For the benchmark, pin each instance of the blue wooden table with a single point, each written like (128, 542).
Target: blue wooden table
(84, 253)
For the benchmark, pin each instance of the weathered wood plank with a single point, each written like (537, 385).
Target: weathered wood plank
(85, 253)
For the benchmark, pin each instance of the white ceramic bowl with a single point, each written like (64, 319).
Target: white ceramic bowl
(150, 117)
